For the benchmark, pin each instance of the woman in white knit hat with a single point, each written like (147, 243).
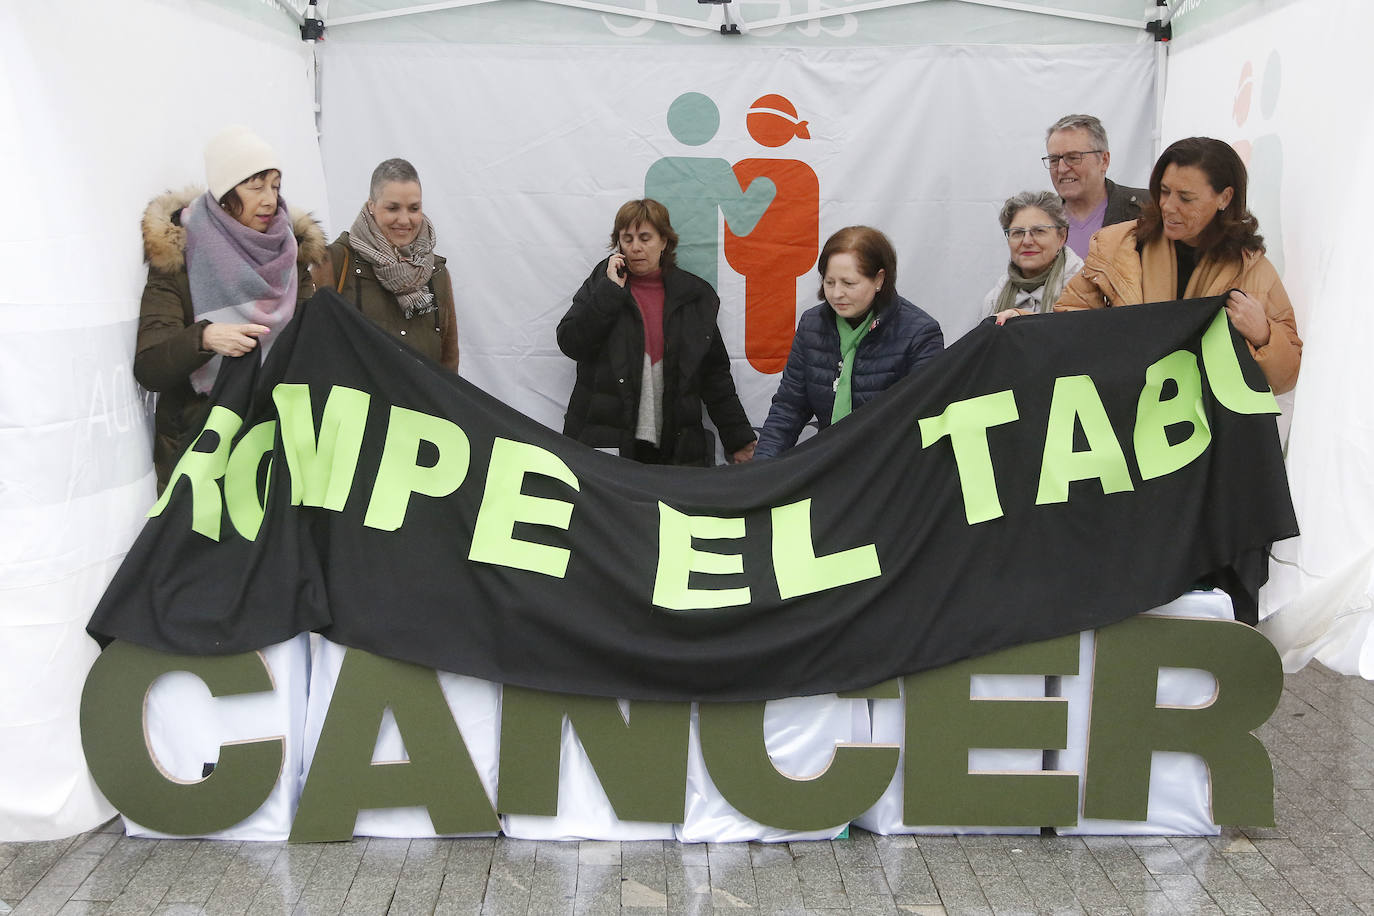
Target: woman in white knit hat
(226, 269)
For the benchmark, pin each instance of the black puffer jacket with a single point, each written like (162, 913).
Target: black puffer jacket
(604, 332)
(904, 339)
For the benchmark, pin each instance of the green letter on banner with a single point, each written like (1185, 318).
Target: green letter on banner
(121, 761)
(343, 780)
(203, 469)
(795, 564)
(732, 744)
(640, 759)
(399, 474)
(1075, 398)
(1223, 371)
(321, 469)
(678, 559)
(943, 723)
(1153, 417)
(493, 535)
(241, 479)
(967, 423)
(1127, 725)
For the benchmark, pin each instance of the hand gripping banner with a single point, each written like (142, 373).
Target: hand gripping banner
(1053, 475)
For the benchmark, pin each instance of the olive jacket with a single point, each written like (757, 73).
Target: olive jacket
(435, 334)
(168, 348)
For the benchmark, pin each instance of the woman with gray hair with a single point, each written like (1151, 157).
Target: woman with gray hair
(386, 266)
(1041, 263)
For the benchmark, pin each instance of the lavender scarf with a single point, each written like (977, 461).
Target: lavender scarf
(238, 275)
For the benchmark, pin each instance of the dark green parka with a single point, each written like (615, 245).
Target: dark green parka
(168, 349)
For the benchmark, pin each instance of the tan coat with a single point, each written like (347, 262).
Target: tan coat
(1114, 273)
(169, 337)
(435, 334)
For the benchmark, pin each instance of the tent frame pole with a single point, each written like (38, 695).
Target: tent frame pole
(766, 23)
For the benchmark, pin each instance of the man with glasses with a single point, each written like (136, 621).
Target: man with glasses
(1078, 159)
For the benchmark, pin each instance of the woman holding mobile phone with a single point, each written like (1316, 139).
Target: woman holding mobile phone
(649, 354)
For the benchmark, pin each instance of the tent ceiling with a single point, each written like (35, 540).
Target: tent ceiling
(776, 21)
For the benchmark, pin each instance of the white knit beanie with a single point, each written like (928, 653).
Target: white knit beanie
(234, 154)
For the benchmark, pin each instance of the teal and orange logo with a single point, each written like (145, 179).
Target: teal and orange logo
(771, 209)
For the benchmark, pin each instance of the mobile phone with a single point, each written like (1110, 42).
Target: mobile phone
(620, 268)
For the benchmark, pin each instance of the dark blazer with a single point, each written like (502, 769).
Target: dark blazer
(1123, 203)
(604, 332)
(904, 339)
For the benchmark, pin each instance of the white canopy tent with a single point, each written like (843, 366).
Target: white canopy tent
(530, 121)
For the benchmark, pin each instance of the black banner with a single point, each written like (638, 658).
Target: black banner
(1053, 475)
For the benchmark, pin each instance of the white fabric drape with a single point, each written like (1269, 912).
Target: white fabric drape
(102, 106)
(1281, 87)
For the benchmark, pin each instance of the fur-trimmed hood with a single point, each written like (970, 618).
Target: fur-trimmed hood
(164, 242)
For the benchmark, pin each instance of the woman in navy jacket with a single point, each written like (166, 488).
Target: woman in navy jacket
(854, 345)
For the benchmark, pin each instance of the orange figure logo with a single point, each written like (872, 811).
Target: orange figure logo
(784, 244)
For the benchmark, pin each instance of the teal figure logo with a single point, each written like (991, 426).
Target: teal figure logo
(695, 189)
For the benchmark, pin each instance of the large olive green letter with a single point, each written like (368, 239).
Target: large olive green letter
(641, 763)
(343, 780)
(122, 763)
(732, 745)
(943, 723)
(1127, 726)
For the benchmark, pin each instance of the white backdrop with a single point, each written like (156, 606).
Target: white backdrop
(102, 106)
(1288, 88)
(526, 152)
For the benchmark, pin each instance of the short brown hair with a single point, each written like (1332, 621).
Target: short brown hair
(1233, 230)
(872, 251)
(230, 201)
(651, 212)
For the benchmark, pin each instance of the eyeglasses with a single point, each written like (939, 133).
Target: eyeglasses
(1039, 233)
(1073, 159)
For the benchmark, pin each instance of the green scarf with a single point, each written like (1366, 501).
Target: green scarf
(849, 343)
(1051, 278)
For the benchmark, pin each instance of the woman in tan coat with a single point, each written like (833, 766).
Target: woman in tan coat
(386, 267)
(1197, 240)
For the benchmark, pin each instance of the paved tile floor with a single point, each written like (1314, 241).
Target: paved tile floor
(1319, 859)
